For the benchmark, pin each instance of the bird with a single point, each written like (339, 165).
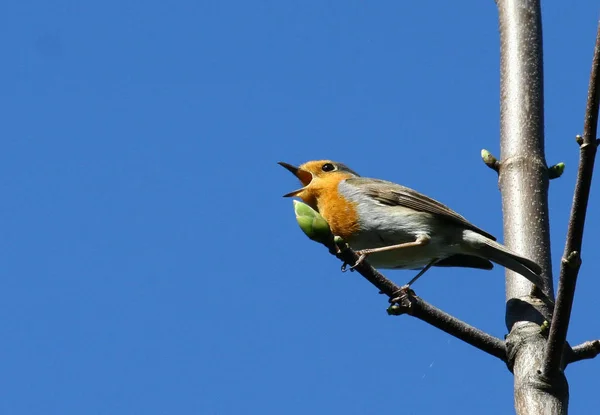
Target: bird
(396, 227)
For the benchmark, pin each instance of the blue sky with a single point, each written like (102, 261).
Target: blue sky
(149, 263)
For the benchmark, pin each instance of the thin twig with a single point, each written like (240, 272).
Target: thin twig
(424, 311)
(572, 255)
(587, 350)
(416, 307)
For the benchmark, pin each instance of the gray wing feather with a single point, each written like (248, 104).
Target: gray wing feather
(393, 194)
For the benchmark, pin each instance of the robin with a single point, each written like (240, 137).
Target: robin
(397, 227)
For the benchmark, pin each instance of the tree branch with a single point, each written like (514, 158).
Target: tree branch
(587, 350)
(572, 256)
(416, 307)
(408, 303)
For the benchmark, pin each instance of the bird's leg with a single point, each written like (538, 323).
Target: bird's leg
(421, 240)
(423, 271)
(406, 287)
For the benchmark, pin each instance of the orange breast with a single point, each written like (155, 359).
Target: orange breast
(338, 212)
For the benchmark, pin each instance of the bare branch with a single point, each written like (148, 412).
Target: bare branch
(416, 307)
(572, 256)
(410, 304)
(587, 350)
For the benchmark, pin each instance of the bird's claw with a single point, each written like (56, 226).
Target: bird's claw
(398, 295)
(359, 261)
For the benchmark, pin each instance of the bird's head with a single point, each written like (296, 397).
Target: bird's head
(316, 176)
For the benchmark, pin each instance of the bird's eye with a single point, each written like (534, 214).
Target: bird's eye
(328, 167)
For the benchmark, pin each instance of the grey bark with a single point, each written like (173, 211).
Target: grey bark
(523, 180)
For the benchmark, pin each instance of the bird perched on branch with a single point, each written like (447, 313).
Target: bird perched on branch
(397, 227)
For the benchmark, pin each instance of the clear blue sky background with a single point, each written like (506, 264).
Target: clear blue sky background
(150, 265)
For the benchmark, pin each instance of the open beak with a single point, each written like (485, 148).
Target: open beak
(302, 175)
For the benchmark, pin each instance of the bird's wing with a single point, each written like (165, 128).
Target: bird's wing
(392, 194)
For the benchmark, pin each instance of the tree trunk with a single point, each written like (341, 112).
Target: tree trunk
(523, 179)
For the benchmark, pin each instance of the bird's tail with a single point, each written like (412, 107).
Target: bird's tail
(484, 247)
